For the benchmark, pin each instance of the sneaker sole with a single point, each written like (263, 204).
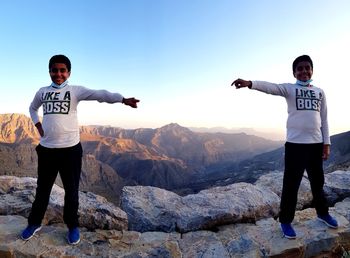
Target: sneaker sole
(325, 222)
(73, 243)
(35, 231)
(289, 237)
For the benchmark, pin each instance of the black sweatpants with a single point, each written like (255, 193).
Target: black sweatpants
(67, 162)
(298, 158)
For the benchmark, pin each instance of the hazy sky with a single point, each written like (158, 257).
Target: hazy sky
(178, 57)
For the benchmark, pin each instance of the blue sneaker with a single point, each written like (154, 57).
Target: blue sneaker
(288, 231)
(73, 236)
(30, 231)
(328, 220)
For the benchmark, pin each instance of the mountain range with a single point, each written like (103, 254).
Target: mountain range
(171, 157)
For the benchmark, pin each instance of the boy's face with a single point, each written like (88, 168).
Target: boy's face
(59, 73)
(303, 71)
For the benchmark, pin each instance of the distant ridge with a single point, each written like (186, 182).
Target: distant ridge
(171, 157)
(17, 128)
(271, 135)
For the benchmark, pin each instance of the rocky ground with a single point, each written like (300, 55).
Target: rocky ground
(232, 221)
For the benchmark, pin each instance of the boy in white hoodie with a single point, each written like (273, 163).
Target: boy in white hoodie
(308, 141)
(60, 150)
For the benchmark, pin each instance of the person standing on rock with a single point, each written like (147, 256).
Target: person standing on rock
(60, 150)
(308, 141)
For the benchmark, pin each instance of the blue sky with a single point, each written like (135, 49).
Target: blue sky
(178, 57)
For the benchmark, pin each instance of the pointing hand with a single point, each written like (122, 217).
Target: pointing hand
(132, 102)
(240, 83)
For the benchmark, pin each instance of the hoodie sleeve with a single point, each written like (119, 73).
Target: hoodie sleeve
(34, 107)
(324, 120)
(84, 93)
(271, 88)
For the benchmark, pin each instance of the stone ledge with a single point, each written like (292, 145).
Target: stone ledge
(262, 239)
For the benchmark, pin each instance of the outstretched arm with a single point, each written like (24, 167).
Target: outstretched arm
(240, 83)
(132, 102)
(84, 93)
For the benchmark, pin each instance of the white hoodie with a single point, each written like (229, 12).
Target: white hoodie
(60, 121)
(307, 111)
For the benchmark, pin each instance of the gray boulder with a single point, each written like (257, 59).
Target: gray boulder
(94, 211)
(337, 184)
(274, 182)
(336, 187)
(154, 209)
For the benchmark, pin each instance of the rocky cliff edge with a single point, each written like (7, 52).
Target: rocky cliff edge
(237, 220)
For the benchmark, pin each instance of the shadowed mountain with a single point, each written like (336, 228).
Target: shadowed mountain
(339, 159)
(18, 157)
(171, 157)
(167, 157)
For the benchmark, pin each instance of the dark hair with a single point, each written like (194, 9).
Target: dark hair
(303, 58)
(60, 59)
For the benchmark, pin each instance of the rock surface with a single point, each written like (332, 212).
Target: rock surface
(154, 209)
(247, 210)
(261, 239)
(17, 195)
